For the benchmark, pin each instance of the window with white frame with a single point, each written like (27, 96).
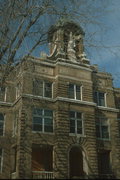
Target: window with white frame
(102, 128)
(1, 159)
(76, 122)
(42, 88)
(42, 120)
(75, 91)
(100, 98)
(1, 124)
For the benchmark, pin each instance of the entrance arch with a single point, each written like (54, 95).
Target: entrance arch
(76, 162)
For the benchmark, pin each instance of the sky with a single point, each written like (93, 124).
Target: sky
(106, 53)
(108, 59)
(107, 37)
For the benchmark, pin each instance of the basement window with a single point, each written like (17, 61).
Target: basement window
(75, 91)
(42, 88)
(43, 120)
(76, 122)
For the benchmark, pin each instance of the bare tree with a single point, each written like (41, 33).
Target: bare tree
(25, 23)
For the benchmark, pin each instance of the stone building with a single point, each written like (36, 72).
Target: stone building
(59, 116)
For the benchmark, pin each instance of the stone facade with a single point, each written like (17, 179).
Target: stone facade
(81, 100)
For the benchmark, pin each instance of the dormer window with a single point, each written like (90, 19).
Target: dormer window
(75, 91)
(100, 98)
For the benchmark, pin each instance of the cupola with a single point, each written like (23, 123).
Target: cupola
(66, 41)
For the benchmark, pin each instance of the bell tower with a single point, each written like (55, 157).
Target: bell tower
(66, 41)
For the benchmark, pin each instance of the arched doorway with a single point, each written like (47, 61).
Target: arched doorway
(76, 162)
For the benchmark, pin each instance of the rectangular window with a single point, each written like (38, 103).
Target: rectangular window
(99, 98)
(1, 124)
(102, 128)
(74, 91)
(43, 120)
(42, 88)
(1, 159)
(76, 122)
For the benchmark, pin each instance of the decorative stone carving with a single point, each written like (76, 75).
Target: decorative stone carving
(70, 48)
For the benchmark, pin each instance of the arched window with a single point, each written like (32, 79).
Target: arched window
(1, 124)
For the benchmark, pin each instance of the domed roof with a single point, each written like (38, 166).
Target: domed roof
(66, 24)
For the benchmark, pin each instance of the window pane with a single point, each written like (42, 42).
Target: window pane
(101, 99)
(37, 127)
(79, 127)
(48, 113)
(71, 91)
(1, 124)
(37, 120)
(38, 87)
(1, 129)
(48, 128)
(48, 121)
(79, 124)
(48, 125)
(98, 131)
(78, 95)
(72, 126)
(1, 117)
(79, 115)
(79, 130)
(72, 130)
(72, 114)
(2, 93)
(48, 89)
(72, 123)
(105, 133)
